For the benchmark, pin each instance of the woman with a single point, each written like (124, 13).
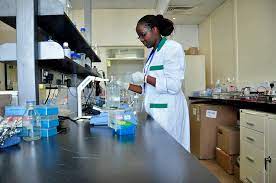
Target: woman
(163, 75)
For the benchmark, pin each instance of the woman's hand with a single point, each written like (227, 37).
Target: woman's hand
(138, 77)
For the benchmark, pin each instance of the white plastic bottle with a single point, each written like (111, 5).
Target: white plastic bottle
(67, 50)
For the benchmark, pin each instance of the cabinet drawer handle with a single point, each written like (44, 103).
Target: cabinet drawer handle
(251, 139)
(249, 180)
(250, 159)
(250, 124)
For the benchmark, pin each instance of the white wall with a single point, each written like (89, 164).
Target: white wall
(113, 26)
(204, 34)
(186, 35)
(256, 40)
(240, 38)
(222, 34)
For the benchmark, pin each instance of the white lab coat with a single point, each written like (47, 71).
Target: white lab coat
(166, 102)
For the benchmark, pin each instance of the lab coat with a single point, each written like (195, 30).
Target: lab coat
(166, 102)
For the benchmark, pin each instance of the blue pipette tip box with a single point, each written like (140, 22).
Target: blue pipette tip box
(47, 110)
(49, 123)
(129, 130)
(48, 132)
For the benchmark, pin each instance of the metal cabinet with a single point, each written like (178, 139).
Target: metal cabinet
(258, 147)
(270, 149)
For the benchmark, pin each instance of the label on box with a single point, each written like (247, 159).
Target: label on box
(198, 114)
(211, 114)
(194, 111)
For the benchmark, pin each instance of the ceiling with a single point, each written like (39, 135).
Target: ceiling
(117, 4)
(200, 11)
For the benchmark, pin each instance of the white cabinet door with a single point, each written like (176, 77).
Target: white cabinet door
(270, 146)
(194, 79)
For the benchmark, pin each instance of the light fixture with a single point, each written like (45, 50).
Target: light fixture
(174, 18)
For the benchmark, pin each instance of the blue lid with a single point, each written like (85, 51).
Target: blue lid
(82, 29)
(45, 110)
(14, 110)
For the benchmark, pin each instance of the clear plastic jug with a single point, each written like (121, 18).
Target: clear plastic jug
(113, 94)
(31, 126)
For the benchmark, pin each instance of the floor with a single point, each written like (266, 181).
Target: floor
(214, 168)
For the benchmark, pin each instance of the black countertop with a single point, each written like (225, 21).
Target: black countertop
(254, 104)
(94, 154)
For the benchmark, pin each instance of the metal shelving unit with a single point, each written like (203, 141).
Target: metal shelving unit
(36, 19)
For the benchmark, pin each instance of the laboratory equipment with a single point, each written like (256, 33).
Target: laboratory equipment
(80, 88)
(122, 121)
(31, 127)
(67, 50)
(113, 94)
(100, 119)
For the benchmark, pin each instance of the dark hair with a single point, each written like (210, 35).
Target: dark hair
(164, 25)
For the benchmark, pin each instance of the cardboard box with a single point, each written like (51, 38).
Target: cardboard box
(192, 51)
(204, 119)
(4, 100)
(226, 161)
(228, 139)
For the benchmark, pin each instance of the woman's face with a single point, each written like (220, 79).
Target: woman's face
(146, 35)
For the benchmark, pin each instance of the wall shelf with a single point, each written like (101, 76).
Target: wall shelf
(66, 66)
(54, 22)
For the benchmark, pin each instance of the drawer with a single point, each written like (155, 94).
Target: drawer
(252, 121)
(253, 156)
(252, 137)
(250, 175)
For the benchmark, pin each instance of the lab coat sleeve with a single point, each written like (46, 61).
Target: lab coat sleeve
(170, 81)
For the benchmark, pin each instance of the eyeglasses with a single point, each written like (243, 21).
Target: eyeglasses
(143, 35)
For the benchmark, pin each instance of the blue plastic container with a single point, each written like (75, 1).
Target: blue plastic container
(48, 132)
(43, 110)
(49, 123)
(47, 110)
(101, 119)
(14, 140)
(14, 110)
(125, 130)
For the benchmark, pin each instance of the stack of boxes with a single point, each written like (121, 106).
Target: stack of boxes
(48, 116)
(204, 120)
(49, 120)
(228, 147)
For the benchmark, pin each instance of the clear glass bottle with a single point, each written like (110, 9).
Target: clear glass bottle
(113, 94)
(31, 126)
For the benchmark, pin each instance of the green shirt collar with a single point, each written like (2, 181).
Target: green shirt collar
(162, 42)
